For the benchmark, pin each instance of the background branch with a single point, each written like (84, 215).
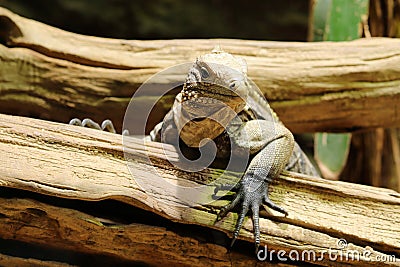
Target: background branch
(329, 86)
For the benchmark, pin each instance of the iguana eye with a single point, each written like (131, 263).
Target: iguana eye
(204, 73)
(233, 85)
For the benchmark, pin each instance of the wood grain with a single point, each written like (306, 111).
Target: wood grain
(79, 163)
(331, 86)
(6, 260)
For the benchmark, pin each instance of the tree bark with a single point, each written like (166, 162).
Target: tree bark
(56, 75)
(66, 229)
(6, 260)
(72, 162)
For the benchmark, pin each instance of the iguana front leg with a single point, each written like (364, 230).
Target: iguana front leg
(272, 145)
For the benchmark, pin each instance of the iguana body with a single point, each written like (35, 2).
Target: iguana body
(219, 103)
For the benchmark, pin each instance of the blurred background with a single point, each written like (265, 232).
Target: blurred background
(159, 19)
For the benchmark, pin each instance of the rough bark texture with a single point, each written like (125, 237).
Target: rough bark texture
(39, 223)
(71, 162)
(57, 75)
(6, 260)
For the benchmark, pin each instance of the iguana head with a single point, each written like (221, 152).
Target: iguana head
(217, 76)
(215, 90)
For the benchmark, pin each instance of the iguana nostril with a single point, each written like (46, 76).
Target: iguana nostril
(198, 119)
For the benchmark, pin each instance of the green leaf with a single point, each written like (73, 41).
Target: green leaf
(335, 20)
(331, 151)
(338, 20)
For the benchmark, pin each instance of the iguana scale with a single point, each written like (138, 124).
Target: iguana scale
(218, 102)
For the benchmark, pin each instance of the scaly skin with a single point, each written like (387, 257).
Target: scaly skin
(220, 103)
(217, 89)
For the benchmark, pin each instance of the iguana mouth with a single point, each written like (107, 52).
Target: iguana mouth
(199, 119)
(213, 92)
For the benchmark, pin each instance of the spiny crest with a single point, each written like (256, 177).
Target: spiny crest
(217, 49)
(220, 57)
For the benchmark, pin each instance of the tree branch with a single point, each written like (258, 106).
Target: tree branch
(329, 86)
(78, 163)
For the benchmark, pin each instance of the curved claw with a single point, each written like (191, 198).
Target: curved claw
(108, 126)
(91, 124)
(227, 208)
(224, 187)
(230, 187)
(233, 241)
(75, 121)
(252, 194)
(273, 206)
(239, 222)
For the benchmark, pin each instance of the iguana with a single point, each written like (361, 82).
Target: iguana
(220, 103)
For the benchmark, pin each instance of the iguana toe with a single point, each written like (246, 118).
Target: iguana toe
(273, 206)
(251, 196)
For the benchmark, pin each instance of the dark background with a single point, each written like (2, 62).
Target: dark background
(284, 20)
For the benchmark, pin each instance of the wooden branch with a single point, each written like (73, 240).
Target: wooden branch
(72, 162)
(71, 230)
(6, 260)
(57, 75)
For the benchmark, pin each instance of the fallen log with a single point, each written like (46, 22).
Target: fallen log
(71, 162)
(331, 86)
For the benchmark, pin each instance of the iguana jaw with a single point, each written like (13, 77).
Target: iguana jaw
(203, 92)
(202, 110)
(215, 91)
(206, 89)
(205, 99)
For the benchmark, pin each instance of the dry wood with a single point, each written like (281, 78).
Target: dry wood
(57, 75)
(69, 230)
(6, 260)
(79, 163)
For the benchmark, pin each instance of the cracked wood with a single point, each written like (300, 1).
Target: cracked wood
(329, 86)
(78, 163)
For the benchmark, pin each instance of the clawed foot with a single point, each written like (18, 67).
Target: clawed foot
(251, 194)
(107, 125)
